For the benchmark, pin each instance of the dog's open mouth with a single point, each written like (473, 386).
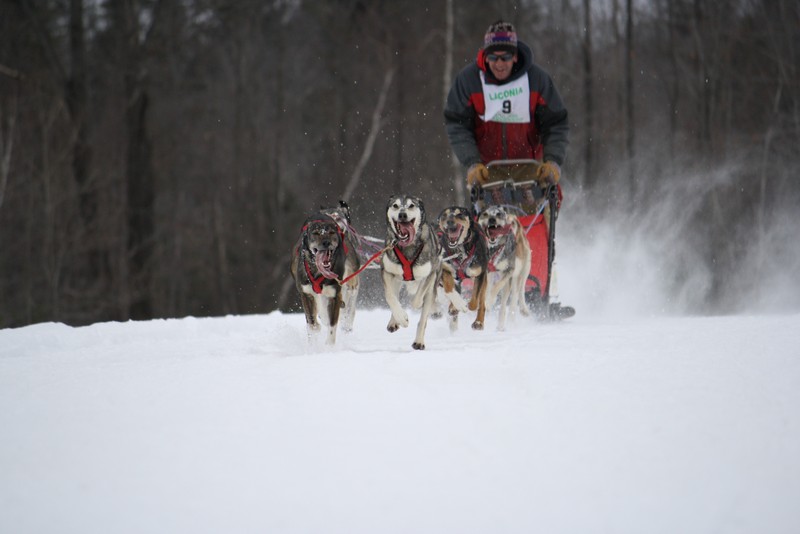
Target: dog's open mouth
(495, 231)
(405, 232)
(322, 259)
(454, 234)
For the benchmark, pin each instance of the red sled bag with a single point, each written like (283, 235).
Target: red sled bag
(539, 239)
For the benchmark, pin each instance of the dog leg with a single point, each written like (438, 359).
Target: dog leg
(349, 298)
(505, 295)
(518, 295)
(436, 313)
(495, 288)
(310, 309)
(479, 298)
(453, 318)
(427, 307)
(333, 308)
(391, 290)
(455, 298)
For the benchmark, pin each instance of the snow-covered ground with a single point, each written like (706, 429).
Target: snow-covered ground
(632, 417)
(598, 424)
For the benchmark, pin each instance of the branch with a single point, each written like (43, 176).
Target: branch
(373, 134)
(6, 148)
(11, 73)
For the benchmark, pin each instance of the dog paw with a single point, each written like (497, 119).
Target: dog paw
(418, 346)
(477, 325)
(392, 327)
(401, 321)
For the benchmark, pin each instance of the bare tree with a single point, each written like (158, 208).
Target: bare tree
(8, 122)
(630, 143)
(374, 130)
(588, 92)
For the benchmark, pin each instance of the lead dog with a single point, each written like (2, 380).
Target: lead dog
(411, 261)
(318, 266)
(464, 257)
(341, 214)
(509, 259)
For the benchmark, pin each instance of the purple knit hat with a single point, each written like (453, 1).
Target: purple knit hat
(500, 36)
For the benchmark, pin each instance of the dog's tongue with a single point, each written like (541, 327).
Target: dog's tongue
(497, 231)
(405, 233)
(323, 262)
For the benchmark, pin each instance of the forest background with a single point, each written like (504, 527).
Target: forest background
(157, 157)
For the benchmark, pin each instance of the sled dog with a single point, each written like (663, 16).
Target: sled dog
(318, 266)
(464, 258)
(411, 261)
(509, 260)
(352, 261)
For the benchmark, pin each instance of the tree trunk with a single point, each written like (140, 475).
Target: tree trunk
(459, 183)
(587, 92)
(629, 94)
(138, 167)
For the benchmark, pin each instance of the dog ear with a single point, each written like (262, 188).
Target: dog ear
(345, 209)
(418, 202)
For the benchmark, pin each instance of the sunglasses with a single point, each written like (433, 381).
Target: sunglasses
(508, 56)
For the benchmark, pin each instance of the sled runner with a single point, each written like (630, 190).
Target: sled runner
(512, 184)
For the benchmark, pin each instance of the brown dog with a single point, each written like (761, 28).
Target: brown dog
(318, 267)
(509, 260)
(464, 257)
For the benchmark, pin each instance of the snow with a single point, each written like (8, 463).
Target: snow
(635, 416)
(602, 423)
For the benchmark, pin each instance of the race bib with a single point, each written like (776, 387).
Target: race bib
(507, 103)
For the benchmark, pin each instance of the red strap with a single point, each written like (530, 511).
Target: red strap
(370, 260)
(461, 274)
(408, 273)
(316, 283)
(492, 267)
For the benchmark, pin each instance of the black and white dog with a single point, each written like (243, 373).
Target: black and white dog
(319, 265)
(464, 258)
(411, 261)
(509, 260)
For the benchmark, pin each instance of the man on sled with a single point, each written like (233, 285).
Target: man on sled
(507, 125)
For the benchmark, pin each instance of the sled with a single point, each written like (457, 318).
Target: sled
(512, 184)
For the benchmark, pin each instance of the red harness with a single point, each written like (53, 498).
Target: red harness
(506, 231)
(408, 273)
(461, 273)
(316, 283)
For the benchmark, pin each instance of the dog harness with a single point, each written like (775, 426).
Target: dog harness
(506, 230)
(316, 283)
(461, 272)
(408, 273)
(500, 249)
